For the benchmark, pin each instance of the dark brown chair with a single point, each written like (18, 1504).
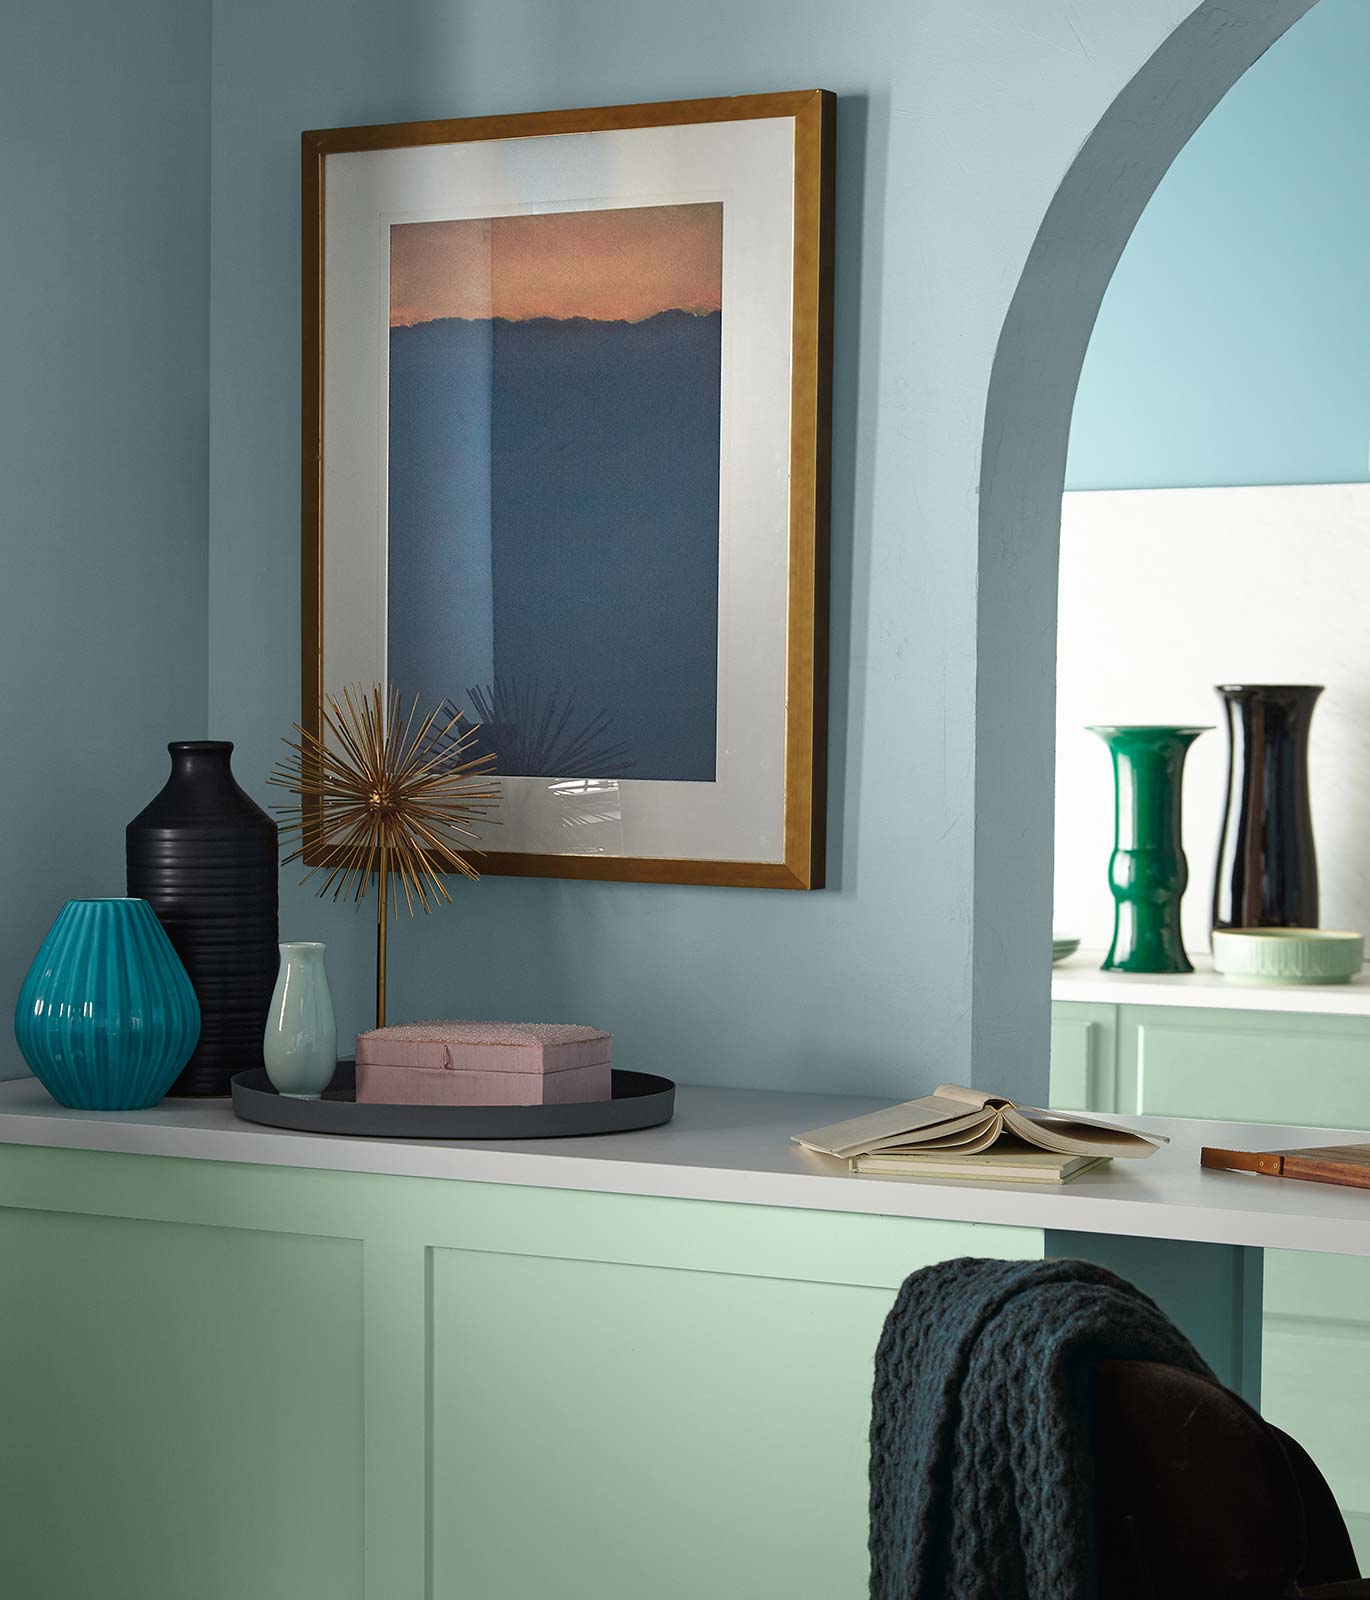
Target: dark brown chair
(1200, 1499)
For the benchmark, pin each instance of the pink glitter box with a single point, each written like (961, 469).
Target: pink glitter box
(483, 1064)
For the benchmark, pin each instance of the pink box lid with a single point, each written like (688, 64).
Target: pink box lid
(540, 1047)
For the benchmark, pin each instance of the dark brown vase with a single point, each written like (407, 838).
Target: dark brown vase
(1267, 874)
(204, 854)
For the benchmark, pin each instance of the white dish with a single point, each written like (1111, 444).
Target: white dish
(1287, 955)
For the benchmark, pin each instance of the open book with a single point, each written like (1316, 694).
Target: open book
(953, 1121)
(1008, 1161)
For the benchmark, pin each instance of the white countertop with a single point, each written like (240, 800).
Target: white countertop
(1079, 978)
(733, 1145)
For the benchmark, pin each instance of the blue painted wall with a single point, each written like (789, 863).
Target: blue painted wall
(105, 263)
(864, 985)
(104, 372)
(956, 126)
(1233, 344)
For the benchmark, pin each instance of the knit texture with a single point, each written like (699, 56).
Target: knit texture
(982, 1473)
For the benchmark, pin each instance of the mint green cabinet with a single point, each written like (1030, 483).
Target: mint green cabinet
(1251, 1066)
(1256, 1066)
(182, 1410)
(1084, 1057)
(236, 1382)
(634, 1412)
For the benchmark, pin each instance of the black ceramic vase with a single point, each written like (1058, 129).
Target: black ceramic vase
(204, 854)
(1267, 874)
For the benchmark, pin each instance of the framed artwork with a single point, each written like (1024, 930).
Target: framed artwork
(565, 442)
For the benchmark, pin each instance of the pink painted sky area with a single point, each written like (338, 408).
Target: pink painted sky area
(607, 265)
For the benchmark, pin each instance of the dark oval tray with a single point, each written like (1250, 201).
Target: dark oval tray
(640, 1100)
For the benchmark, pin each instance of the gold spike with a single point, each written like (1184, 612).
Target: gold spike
(380, 794)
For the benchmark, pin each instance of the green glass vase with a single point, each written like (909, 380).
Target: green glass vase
(1147, 871)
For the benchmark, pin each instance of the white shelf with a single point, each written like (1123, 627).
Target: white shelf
(1080, 979)
(733, 1145)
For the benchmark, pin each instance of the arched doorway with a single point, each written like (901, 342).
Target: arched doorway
(1032, 387)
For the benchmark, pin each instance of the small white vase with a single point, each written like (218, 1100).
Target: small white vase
(301, 1043)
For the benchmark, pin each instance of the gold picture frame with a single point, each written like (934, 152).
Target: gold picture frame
(801, 857)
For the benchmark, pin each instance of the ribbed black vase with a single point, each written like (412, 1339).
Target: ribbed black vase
(1267, 874)
(204, 854)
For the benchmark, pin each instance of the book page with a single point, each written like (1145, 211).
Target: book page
(971, 1119)
(1007, 1151)
(1077, 1136)
(901, 1124)
(970, 1097)
(979, 1137)
(881, 1164)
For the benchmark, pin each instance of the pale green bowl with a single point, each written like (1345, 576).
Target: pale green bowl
(1287, 955)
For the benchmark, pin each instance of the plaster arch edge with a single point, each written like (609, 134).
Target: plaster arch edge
(1033, 378)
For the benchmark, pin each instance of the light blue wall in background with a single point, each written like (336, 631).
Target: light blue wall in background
(955, 127)
(1233, 344)
(104, 372)
(829, 989)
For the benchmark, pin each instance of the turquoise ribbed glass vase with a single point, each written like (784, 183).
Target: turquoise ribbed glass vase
(107, 1016)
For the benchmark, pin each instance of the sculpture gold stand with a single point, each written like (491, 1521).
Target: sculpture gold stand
(382, 900)
(380, 793)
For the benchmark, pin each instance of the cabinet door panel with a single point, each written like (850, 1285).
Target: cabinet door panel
(1316, 1371)
(1245, 1066)
(603, 1431)
(1252, 1066)
(182, 1411)
(1083, 1057)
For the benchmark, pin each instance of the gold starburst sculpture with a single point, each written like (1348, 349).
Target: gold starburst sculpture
(384, 795)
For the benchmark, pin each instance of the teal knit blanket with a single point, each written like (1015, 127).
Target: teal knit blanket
(981, 1472)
